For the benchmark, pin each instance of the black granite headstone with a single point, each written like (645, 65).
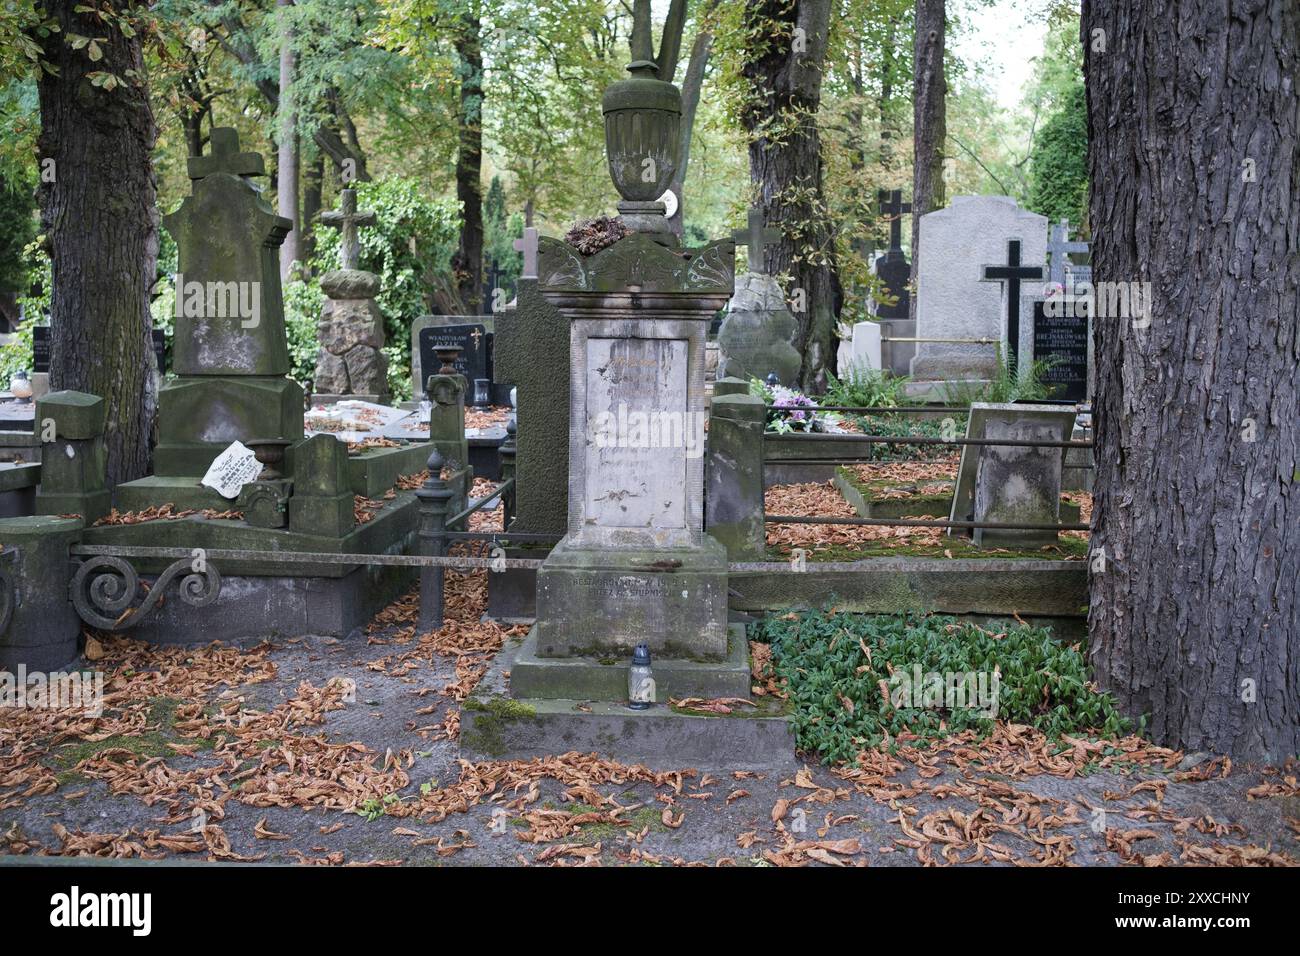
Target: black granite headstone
(1064, 341)
(41, 349)
(474, 360)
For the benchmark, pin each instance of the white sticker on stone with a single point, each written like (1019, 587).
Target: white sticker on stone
(234, 468)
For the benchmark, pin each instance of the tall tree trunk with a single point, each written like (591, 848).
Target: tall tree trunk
(692, 84)
(287, 166)
(101, 227)
(929, 120)
(312, 189)
(785, 163)
(1194, 155)
(467, 262)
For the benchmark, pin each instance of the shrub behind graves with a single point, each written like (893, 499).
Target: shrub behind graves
(838, 669)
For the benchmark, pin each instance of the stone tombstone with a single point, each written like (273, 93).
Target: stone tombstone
(861, 351)
(1012, 484)
(1060, 332)
(758, 332)
(532, 354)
(636, 565)
(74, 463)
(954, 299)
(351, 362)
(229, 353)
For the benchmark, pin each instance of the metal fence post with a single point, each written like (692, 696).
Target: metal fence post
(435, 499)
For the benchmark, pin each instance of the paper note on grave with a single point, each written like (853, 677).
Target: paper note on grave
(234, 468)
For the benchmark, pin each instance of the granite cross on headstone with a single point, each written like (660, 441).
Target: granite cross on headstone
(1011, 274)
(346, 219)
(892, 205)
(756, 239)
(1059, 248)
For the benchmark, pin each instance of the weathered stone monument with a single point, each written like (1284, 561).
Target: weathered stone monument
(635, 566)
(958, 300)
(532, 353)
(1012, 484)
(230, 355)
(757, 334)
(351, 363)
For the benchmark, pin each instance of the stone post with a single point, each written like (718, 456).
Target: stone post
(322, 501)
(74, 461)
(734, 477)
(435, 504)
(38, 625)
(446, 391)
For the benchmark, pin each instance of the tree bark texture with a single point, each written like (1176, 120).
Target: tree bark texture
(929, 120)
(1194, 158)
(785, 165)
(467, 261)
(100, 220)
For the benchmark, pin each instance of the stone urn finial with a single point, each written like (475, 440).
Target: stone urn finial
(643, 126)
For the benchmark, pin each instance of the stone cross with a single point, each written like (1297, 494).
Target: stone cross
(1011, 274)
(892, 205)
(225, 157)
(528, 246)
(347, 220)
(756, 238)
(1059, 248)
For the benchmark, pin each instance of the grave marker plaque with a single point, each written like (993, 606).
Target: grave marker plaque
(41, 349)
(473, 341)
(1063, 340)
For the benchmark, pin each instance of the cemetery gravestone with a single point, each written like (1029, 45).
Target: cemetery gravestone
(351, 362)
(475, 335)
(953, 301)
(757, 334)
(635, 566)
(893, 269)
(1008, 483)
(230, 353)
(532, 353)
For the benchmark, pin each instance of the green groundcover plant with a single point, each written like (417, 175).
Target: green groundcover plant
(857, 681)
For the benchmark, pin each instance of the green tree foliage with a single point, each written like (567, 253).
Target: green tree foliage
(1060, 162)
